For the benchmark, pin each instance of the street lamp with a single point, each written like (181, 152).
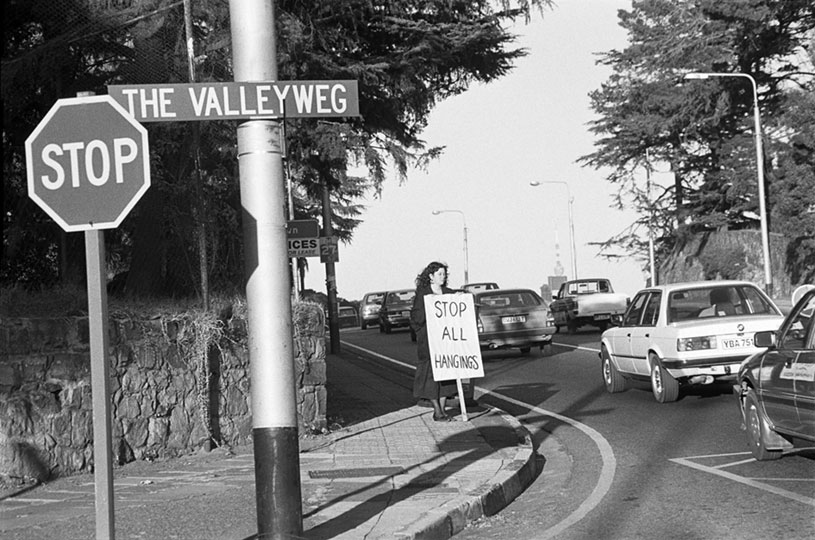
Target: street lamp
(765, 232)
(571, 219)
(464, 220)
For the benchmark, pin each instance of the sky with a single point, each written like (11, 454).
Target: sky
(531, 125)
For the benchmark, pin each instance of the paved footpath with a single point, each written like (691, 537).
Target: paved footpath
(391, 472)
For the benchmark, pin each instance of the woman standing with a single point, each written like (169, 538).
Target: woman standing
(432, 280)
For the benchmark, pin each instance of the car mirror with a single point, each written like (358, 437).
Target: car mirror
(764, 339)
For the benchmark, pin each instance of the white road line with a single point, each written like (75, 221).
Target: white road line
(606, 452)
(746, 481)
(740, 462)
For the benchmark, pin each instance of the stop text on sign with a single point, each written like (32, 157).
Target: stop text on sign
(95, 159)
(238, 100)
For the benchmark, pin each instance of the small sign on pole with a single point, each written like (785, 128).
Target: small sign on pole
(453, 339)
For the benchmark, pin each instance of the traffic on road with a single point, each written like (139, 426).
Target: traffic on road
(639, 468)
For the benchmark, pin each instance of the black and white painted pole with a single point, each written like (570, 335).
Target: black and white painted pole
(268, 294)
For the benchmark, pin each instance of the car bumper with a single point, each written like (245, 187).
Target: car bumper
(718, 371)
(525, 339)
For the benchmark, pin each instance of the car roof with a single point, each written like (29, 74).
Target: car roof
(669, 287)
(502, 291)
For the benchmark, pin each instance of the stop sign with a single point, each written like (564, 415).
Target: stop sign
(88, 163)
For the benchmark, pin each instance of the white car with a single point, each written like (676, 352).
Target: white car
(686, 334)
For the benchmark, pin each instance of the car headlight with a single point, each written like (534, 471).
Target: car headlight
(696, 343)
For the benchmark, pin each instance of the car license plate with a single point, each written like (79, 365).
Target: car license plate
(602, 317)
(736, 342)
(513, 319)
(406, 314)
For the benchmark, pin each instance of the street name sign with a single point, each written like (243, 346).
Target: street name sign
(238, 100)
(87, 163)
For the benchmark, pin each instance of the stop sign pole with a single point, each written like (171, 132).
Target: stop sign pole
(88, 164)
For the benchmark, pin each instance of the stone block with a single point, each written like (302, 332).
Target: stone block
(82, 428)
(69, 366)
(16, 338)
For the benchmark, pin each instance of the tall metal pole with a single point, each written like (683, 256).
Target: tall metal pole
(268, 295)
(570, 203)
(466, 254)
(762, 203)
(100, 385)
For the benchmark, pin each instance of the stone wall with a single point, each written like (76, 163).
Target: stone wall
(687, 262)
(161, 403)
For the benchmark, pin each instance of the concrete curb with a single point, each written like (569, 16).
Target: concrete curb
(452, 517)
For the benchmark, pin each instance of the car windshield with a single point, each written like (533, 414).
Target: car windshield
(509, 299)
(717, 301)
(374, 298)
(400, 296)
(589, 287)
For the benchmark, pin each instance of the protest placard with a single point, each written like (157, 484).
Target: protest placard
(452, 336)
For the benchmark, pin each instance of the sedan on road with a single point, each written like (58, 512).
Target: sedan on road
(776, 387)
(512, 318)
(685, 334)
(395, 310)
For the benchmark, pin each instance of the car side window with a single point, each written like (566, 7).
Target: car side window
(632, 316)
(651, 314)
(796, 335)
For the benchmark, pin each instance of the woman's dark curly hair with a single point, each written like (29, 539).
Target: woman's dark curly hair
(423, 279)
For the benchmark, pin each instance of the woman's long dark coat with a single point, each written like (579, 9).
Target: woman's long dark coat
(424, 387)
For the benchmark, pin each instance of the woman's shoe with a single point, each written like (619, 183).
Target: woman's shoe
(442, 418)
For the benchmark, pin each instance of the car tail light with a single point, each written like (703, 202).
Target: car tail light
(479, 325)
(696, 343)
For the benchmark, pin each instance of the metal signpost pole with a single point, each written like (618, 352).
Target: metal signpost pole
(268, 295)
(100, 387)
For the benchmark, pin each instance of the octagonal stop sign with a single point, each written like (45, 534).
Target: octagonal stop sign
(87, 163)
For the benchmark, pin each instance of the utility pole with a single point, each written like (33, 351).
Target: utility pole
(268, 292)
(331, 278)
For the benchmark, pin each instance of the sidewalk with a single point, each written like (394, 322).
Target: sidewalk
(392, 472)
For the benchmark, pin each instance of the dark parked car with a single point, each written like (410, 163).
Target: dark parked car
(512, 318)
(347, 317)
(776, 387)
(395, 310)
(369, 308)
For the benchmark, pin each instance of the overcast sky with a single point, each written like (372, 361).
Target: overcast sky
(529, 126)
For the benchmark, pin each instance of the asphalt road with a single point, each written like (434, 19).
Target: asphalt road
(640, 469)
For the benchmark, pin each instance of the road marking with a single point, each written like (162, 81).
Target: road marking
(577, 347)
(741, 479)
(606, 452)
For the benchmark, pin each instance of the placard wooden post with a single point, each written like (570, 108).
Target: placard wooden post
(452, 337)
(461, 403)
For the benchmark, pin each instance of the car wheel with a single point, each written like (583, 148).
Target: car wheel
(571, 324)
(612, 378)
(388, 329)
(412, 336)
(381, 328)
(525, 350)
(755, 425)
(663, 385)
(363, 326)
(603, 326)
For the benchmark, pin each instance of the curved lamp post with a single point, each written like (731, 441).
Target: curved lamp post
(765, 232)
(466, 256)
(570, 202)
